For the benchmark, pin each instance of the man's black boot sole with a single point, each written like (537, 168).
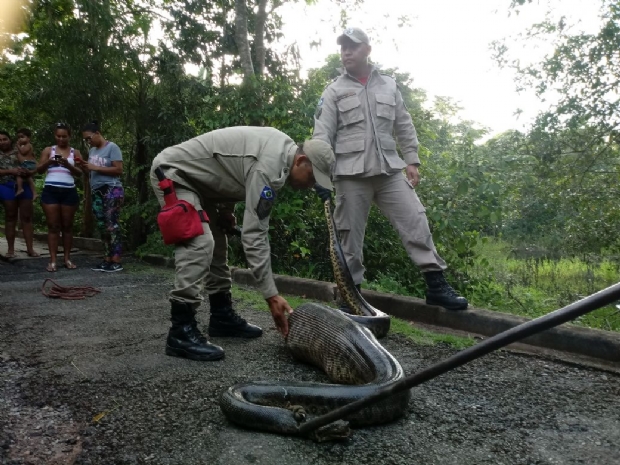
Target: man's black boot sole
(226, 332)
(182, 353)
(453, 307)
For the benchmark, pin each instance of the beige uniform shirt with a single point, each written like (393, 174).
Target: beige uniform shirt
(360, 123)
(237, 164)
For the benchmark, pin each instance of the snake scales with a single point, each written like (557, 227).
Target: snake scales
(362, 312)
(346, 351)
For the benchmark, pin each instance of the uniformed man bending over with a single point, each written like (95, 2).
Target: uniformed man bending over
(358, 114)
(219, 168)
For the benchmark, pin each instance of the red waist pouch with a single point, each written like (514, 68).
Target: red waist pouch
(178, 220)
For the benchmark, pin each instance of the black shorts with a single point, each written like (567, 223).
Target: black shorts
(53, 195)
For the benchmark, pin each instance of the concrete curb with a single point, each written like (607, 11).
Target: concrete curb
(84, 243)
(604, 345)
(158, 260)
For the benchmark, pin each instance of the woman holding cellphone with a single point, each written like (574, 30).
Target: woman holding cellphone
(59, 198)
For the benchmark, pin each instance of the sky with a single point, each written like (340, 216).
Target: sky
(445, 48)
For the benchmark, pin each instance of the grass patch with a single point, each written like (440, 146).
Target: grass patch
(256, 300)
(426, 337)
(398, 326)
(154, 245)
(138, 267)
(535, 286)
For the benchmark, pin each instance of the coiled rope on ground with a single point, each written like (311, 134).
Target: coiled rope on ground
(67, 292)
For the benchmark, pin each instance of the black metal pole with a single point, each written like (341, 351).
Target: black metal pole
(570, 312)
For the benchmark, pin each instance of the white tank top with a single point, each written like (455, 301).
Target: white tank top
(59, 176)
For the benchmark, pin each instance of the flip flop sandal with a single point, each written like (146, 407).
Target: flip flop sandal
(70, 265)
(51, 267)
(33, 254)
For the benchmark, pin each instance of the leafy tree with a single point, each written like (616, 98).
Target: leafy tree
(572, 149)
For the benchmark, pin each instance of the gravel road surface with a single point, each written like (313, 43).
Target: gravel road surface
(87, 382)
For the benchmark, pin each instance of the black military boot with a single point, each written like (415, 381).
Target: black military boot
(185, 339)
(344, 307)
(224, 320)
(440, 293)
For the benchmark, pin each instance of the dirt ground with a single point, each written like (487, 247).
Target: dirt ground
(87, 382)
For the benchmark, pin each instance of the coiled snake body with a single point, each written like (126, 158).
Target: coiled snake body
(346, 351)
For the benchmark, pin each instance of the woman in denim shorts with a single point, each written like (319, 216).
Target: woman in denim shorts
(59, 198)
(14, 204)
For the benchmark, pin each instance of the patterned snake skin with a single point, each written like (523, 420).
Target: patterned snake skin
(363, 313)
(344, 349)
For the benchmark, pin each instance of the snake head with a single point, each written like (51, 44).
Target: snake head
(337, 431)
(299, 413)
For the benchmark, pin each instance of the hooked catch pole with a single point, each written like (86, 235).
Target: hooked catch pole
(593, 302)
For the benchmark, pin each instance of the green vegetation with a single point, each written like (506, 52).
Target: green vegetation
(256, 300)
(527, 221)
(417, 335)
(141, 267)
(426, 337)
(535, 286)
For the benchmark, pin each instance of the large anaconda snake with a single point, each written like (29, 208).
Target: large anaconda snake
(346, 351)
(362, 312)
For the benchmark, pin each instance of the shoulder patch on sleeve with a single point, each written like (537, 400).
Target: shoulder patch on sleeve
(265, 203)
(319, 108)
(268, 193)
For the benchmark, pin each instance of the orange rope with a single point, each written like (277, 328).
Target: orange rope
(68, 293)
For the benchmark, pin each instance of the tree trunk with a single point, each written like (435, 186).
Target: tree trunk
(259, 38)
(241, 38)
(88, 221)
(142, 165)
(144, 184)
(223, 72)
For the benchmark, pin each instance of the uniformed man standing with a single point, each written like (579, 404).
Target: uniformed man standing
(218, 168)
(357, 115)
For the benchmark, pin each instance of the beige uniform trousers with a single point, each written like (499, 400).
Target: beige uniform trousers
(398, 201)
(201, 261)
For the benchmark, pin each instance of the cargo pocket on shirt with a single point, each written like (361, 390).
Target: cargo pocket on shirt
(388, 146)
(350, 109)
(349, 157)
(386, 106)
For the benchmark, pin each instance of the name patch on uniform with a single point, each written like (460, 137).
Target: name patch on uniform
(267, 196)
(350, 94)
